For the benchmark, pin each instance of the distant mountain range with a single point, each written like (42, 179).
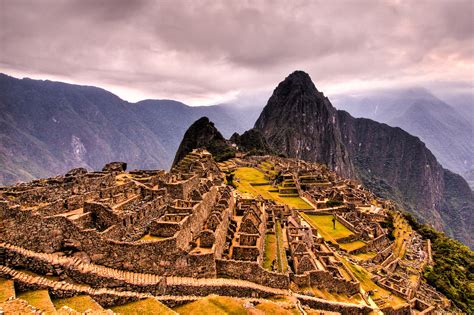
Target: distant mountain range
(47, 128)
(447, 131)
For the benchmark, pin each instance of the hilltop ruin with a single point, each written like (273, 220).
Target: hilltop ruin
(176, 237)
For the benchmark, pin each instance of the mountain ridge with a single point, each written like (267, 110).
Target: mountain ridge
(388, 160)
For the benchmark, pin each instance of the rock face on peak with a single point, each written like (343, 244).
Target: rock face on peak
(252, 142)
(203, 134)
(299, 121)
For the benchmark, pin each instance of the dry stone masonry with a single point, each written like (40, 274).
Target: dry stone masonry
(177, 236)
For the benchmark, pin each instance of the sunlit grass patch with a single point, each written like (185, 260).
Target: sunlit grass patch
(247, 177)
(324, 225)
(146, 306)
(39, 299)
(80, 303)
(215, 305)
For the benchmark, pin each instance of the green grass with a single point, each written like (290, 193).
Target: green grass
(245, 176)
(215, 305)
(368, 285)
(352, 245)
(7, 289)
(146, 306)
(282, 262)
(80, 303)
(365, 256)
(273, 308)
(39, 299)
(270, 251)
(325, 227)
(148, 237)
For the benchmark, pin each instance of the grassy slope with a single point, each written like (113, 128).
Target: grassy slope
(215, 305)
(270, 251)
(80, 303)
(244, 176)
(324, 225)
(147, 306)
(39, 299)
(7, 289)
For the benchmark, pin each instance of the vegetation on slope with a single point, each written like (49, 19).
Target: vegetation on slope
(453, 269)
(203, 134)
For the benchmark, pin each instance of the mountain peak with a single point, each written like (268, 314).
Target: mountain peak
(296, 116)
(203, 134)
(297, 82)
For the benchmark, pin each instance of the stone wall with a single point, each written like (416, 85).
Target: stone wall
(194, 222)
(252, 271)
(342, 308)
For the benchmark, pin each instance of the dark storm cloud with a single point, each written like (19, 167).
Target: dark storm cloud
(206, 50)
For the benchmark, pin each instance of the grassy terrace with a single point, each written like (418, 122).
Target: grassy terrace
(215, 305)
(6, 289)
(270, 251)
(220, 305)
(323, 223)
(147, 306)
(368, 285)
(274, 250)
(252, 181)
(80, 303)
(148, 237)
(325, 227)
(402, 234)
(283, 263)
(39, 299)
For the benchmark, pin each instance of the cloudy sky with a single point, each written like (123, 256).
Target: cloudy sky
(205, 52)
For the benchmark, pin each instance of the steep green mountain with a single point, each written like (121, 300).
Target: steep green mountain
(447, 131)
(302, 123)
(203, 134)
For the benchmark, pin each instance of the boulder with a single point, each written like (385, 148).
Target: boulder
(76, 171)
(115, 167)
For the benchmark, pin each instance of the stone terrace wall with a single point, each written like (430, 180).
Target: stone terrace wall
(95, 276)
(343, 308)
(194, 222)
(252, 271)
(50, 234)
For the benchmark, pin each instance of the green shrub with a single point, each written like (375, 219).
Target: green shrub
(453, 269)
(334, 203)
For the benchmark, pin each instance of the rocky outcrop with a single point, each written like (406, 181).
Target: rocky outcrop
(252, 142)
(115, 167)
(203, 134)
(299, 121)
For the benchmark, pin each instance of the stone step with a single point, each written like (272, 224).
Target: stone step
(39, 299)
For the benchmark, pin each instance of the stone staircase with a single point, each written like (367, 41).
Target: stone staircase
(62, 289)
(78, 265)
(138, 279)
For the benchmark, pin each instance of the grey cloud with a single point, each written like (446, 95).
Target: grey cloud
(198, 50)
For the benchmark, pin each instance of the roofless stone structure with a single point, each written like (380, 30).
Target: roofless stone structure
(119, 237)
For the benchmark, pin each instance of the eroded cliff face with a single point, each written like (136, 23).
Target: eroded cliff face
(383, 155)
(299, 121)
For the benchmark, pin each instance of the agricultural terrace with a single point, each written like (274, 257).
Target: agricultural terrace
(253, 182)
(324, 225)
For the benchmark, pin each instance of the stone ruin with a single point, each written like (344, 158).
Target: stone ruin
(122, 236)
